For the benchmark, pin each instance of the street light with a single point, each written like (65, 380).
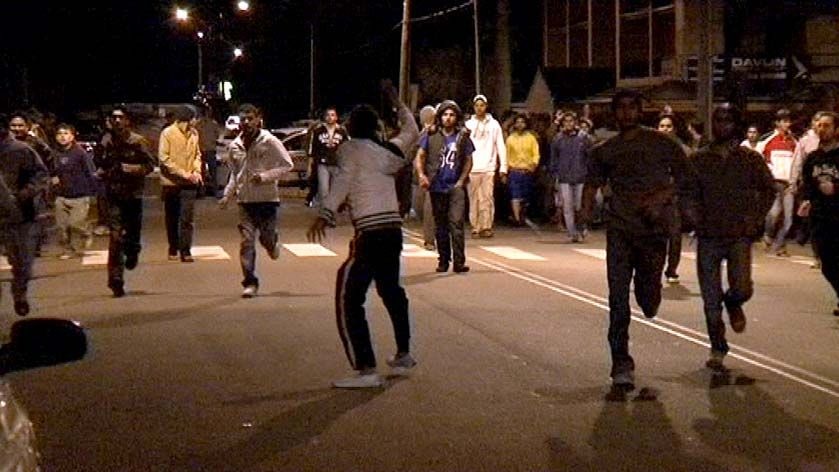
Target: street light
(182, 14)
(200, 35)
(243, 5)
(238, 52)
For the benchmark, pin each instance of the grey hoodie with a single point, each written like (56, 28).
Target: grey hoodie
(267, 157)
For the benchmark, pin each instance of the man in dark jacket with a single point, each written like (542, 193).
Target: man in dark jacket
(443, 163)
(25, 177)
(73, 184)
(125, 162)
(821, 198)
(734, 191)
(325, 139)
(568, 166)
(644, 170)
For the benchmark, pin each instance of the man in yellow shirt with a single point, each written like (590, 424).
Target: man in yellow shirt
(180, 177)
(522, 161)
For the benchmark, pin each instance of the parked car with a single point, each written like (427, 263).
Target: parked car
(295, 140)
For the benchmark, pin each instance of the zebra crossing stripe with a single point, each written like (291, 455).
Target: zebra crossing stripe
(95, 258)
(515, 254)
(413, 250)
(309, 250)
(4, 263)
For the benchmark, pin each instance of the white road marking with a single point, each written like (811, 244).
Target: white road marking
(595, 253)
(309, 250)
(748, 356)
(209, 253)
(509, 252)
(4, 263)
(413, 250)
(95, 258)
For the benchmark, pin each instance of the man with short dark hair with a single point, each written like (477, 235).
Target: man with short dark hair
(820, 178)
(257, 160)
(180, 177)
(443, 163)
(74, 183)
(645, 170)
(25, 177)
(325, 139)
(778, 149)
(366, 179)
(490, 156)
(124, 164)
(735, 190)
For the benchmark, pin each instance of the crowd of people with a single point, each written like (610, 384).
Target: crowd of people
(650, 186)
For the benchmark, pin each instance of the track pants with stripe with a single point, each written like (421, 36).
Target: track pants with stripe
(374, 256)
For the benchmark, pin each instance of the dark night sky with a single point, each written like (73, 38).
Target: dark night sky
(107, 51)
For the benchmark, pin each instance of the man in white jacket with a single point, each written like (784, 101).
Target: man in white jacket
(490, 154)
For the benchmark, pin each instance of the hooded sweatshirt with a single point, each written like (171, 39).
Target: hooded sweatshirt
(490, 149)
(267, 157)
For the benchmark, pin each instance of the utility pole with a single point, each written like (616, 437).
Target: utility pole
(477, 49)
(311, 69)
(200, 64)
(704, 75)
(405, 57)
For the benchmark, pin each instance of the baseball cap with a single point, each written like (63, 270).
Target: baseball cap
(481, 97)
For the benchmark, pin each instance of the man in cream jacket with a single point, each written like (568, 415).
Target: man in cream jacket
(490, 154)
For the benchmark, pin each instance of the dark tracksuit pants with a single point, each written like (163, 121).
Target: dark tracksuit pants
(628, 257)
(825, 237)
(374, 256)
(125, 219)
(179, 209)
(19, 239)
(449, 210)
(711, 252)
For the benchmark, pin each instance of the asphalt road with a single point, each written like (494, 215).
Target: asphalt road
(183, 374)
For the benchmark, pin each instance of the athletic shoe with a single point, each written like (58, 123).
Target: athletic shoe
(101, 231)
(624, 380)
(736, 317)
(274, 253)
(715, 363)
(460, 269)
(767, 242)
(371, 380)
(476, 234)
(782, 253)
(442, 267)
(672, 279)
(250, 291)
(486, 233)
(187, 258)
(401, 364)
(22, 307)
(131, 261)
(118, 290)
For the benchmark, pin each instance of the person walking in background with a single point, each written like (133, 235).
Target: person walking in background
(522, 161)
(752, 137)
(180, 178)
(366, 179)
(257, 160)
(422, 200)
(209, 132)
(778, 150)
(569, 165)
(325, 140)
(443, 162)
(490, 156)
(74, 185)
(645, 171)
(671, 126)
(734, 191)
(24, 177)
(125, 162)
(820, 190)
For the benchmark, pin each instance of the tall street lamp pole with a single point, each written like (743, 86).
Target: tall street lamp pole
(405, 57)
(477, 49)
(200, 43)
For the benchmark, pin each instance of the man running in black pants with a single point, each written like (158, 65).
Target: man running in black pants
(366, 180)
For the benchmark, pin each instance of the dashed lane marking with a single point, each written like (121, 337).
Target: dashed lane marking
(415, 251)
(95, 258)
(514, 254)
(210, 253)
(309, 250)
(4, 263)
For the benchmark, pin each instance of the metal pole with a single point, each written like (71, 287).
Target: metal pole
(311, 69)
(200, 65)
(704, 89)
(477, 50)
(405, 57)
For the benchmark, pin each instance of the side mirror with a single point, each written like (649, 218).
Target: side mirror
(39, 342)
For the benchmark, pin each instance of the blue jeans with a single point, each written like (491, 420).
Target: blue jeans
(784, 202)
(125, 220)
(711, 252)
(326, 174)
(256, 220)
(572, 198)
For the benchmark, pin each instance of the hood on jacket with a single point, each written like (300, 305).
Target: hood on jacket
(448, 105)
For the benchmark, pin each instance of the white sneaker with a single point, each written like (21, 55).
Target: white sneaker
(372, 380)
(250, 291)
(673, 280)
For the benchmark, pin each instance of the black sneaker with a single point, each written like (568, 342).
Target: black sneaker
(118, 290)
(131, 261)
(187, 258)
(442, 267)
(22, 307)
(736, 317)
(461, 269)
(836, 311)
